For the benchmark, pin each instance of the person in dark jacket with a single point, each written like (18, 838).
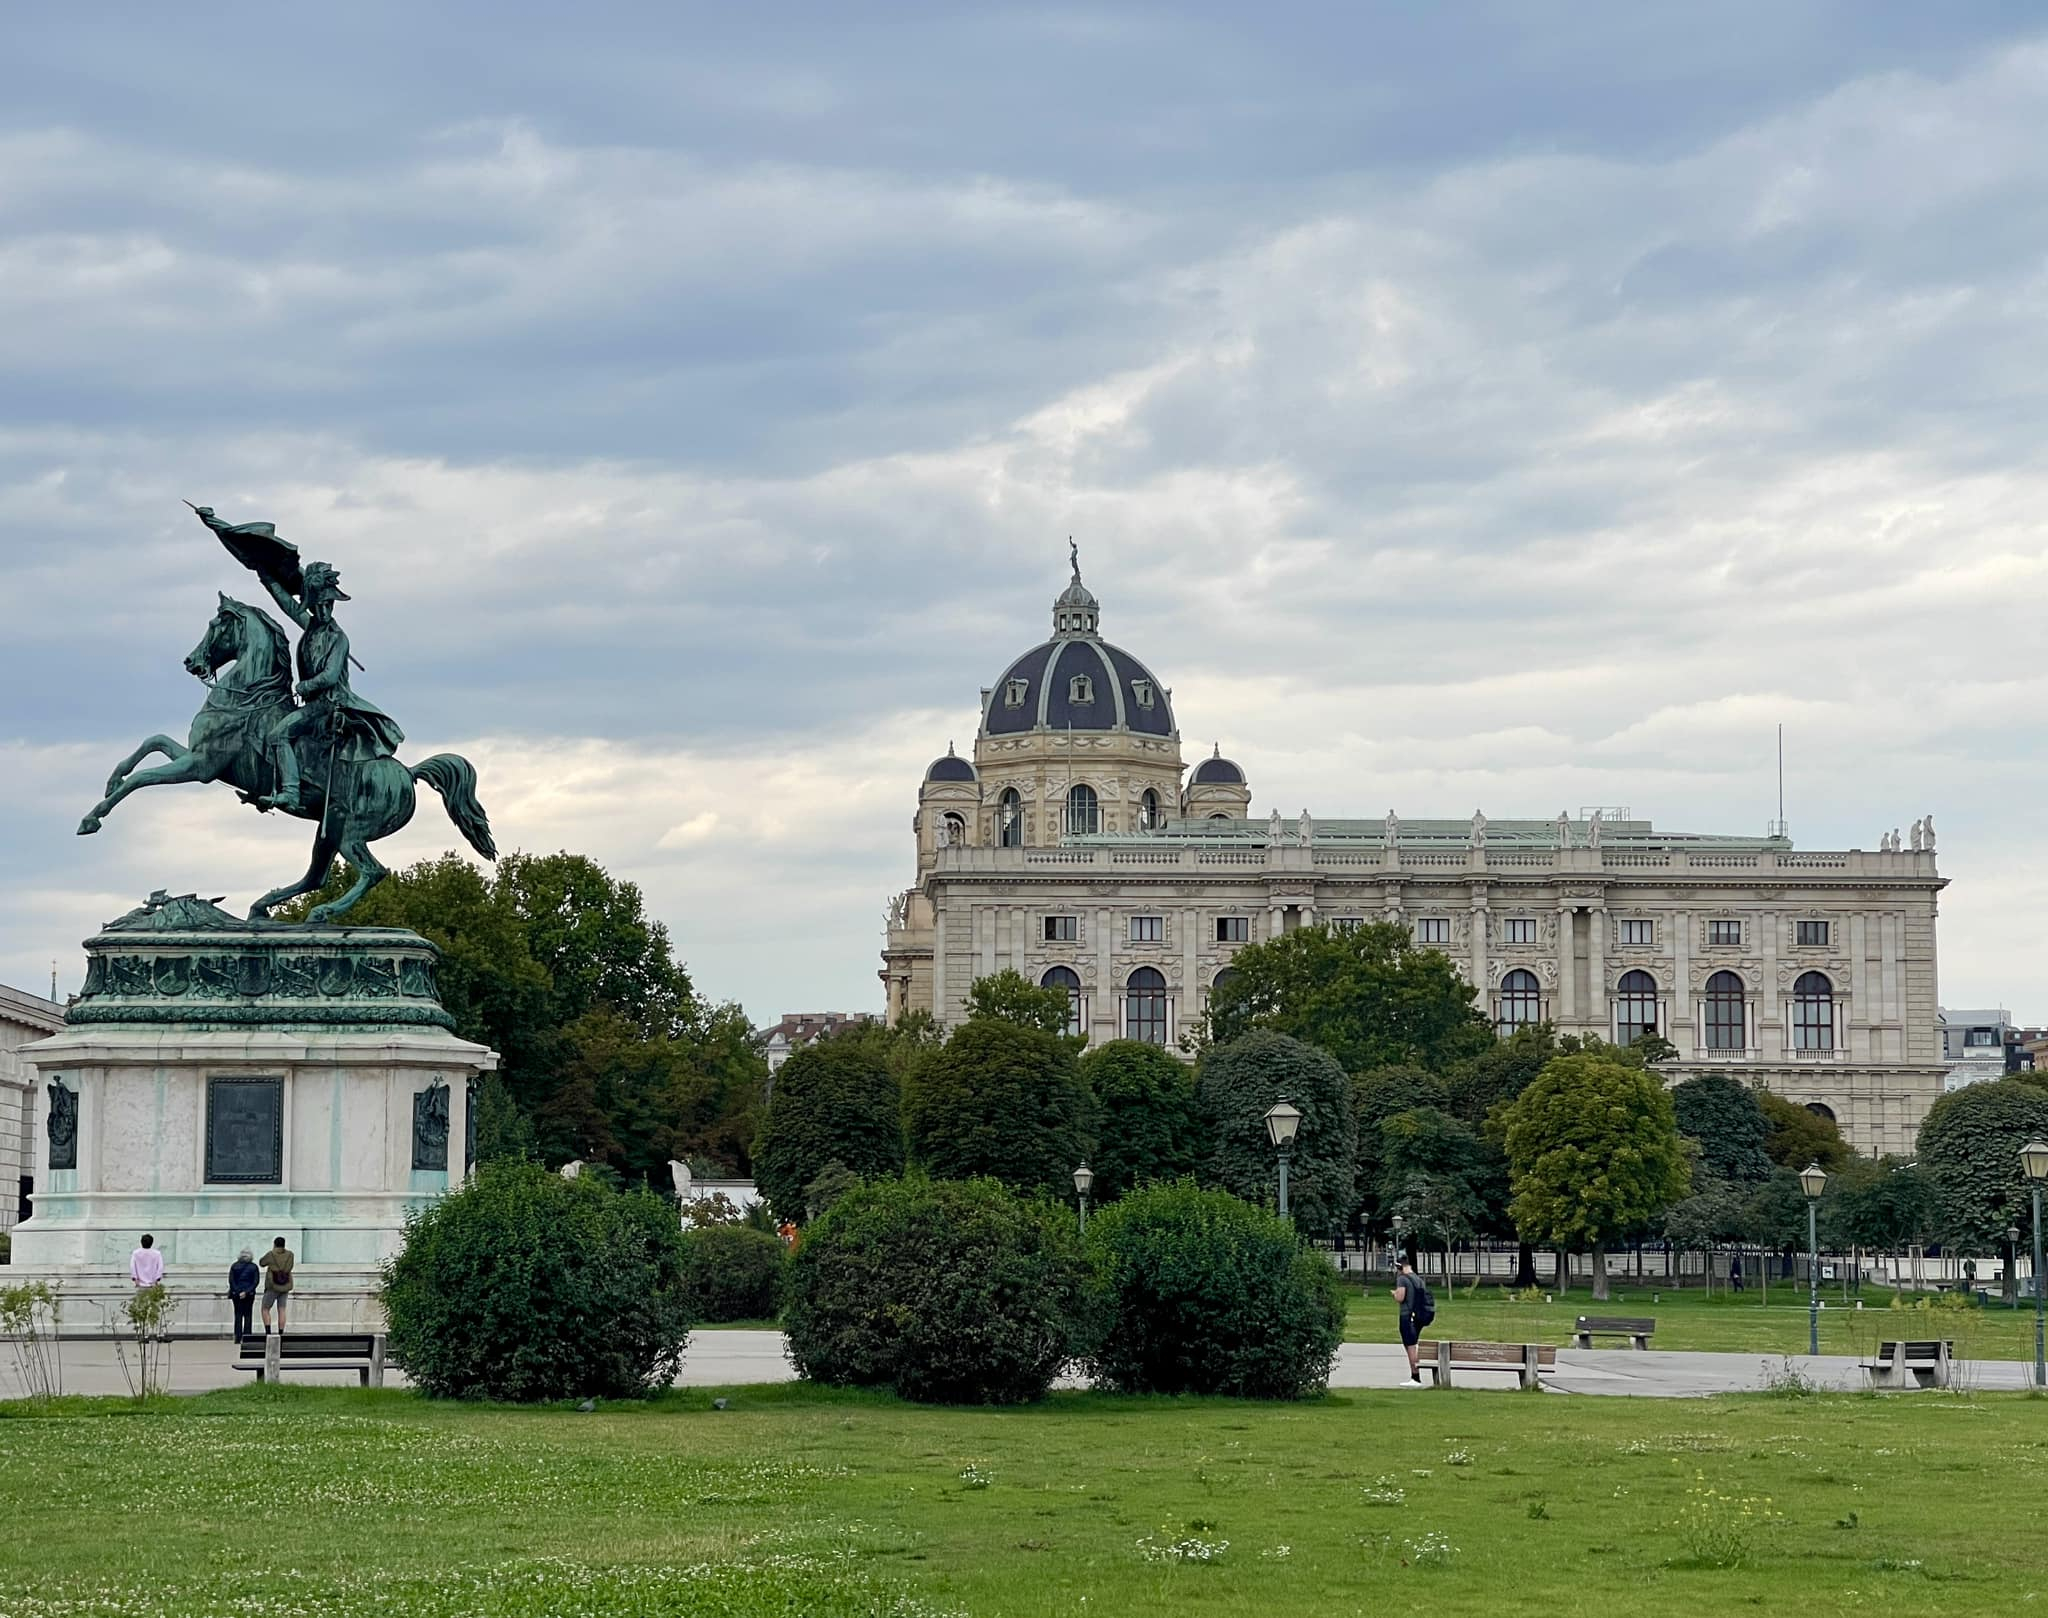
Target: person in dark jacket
(243, 1280)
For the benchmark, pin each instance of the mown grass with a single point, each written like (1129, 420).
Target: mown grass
(797, 1500)
(1691, 1320)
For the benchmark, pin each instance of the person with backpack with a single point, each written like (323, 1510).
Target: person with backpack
(277, 1282)
(1418, 1309)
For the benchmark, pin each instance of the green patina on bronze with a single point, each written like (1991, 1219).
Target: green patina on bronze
(187, 962)
(319, 750)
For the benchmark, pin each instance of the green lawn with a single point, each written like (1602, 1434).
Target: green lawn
(265, 1502)
(1691, 1320)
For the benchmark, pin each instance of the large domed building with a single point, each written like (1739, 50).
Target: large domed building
(1077, 847)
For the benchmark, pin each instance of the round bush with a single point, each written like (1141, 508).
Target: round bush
(1201, 1293)
(733, 1273)
(523, 1286)
(950, 1292)
(834, 1101)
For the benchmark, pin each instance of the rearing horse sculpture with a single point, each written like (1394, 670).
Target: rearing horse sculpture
(232, 739)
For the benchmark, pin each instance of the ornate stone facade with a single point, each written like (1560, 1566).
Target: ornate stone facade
(1808, 973)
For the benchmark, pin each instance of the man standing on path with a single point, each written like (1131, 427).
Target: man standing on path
(1417, 1310)
(277, 1282)
(146, 1264)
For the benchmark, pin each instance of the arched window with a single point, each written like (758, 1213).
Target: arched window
(1820, 1109)
(1222, 978)
(1635, 1007)
(1145, 1006)
(1084, 813)
(1219, 815)
(1727, 1026)
(1813, 1013)
(1065, 977)
(1010, 819)
(1521, 1002)
(1148, 811)
(952, 830)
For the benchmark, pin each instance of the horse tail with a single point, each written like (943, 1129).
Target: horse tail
(454, 777)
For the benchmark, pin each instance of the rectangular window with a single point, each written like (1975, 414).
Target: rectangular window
(244, 1131)
(1347, 924)
(1812, 934)
(1520, 930)
(1433, 930)
(1148, 929)
(1636, 931)
(1233, 929)
(1981, 1036)
(1142, 690)
(1724, 932)
(1015, 692)
(1062, 929)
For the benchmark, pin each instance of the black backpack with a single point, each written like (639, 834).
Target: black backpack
(1422, 1305)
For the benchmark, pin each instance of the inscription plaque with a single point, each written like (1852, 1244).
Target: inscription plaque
(244, 1131)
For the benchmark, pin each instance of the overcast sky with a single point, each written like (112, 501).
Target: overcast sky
(1458, 407)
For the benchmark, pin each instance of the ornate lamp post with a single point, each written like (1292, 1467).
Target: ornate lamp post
(1813, 1180)
(1084, 1178)
(1283, 1121)
(2012, 1263)
(2034, 1159)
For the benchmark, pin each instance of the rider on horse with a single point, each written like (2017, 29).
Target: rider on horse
(333, 711)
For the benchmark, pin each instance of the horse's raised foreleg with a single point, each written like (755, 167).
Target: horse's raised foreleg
(170, 747)
(369, 873)
(192, 767)
(316, 873)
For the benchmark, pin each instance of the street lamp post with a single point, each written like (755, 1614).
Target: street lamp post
(2034, 1159)
(2012, 1263)
(1084, 1178)
(1813, 1180)
(1400, 1228)
(1283, 1120)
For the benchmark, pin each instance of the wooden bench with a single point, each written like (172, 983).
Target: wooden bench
(273, 1353)
(1528, 1361)
(1636, 1328)
(1907, 1365)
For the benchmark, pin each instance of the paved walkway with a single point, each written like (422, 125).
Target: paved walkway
(724, 1358)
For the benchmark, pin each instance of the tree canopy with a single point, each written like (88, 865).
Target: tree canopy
(1000, 1100)
(1371, 997)
(1593, 1153)
(835, 1103)
(1729, 1125)
(1797, 1137)
(1970, 1152)
(607, 1051)
(1238, 1082)
(1148, 1121)
(1015, 998)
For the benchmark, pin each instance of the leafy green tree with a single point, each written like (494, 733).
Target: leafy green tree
(1238, 1082)
(1774, 1216)
(836, 1102)
(1499, 1073)
(1729, 1125)
(1376, 1097)
(827, 1186)
(1372, 997)
(1015, 998)
(1593, 1152)
(1440, 1176)
(1970, 1153)
(502, 1130)
(1004, 1101)
(1885, 1206)
(1148, 1119)
(1797, 1137)
(1716, 1212)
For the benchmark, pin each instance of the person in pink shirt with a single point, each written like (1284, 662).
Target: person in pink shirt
(146, 1264)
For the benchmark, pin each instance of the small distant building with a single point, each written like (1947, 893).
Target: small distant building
(24, 1018)
(781, 1040)
(1975, 1045)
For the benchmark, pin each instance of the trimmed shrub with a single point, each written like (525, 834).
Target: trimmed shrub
(1239, 1081)
(1000, 1100)
(835, 1101)
(1198, 1292)
(733, 1273)
(523, 1286)
(1148, 1124)
(950, 1292)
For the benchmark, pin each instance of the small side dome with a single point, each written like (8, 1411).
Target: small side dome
(951, 768)
(1217, 771)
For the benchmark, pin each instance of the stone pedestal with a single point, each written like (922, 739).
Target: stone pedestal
(221, 1083)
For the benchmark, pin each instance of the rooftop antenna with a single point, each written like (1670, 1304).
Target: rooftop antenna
(1778, 828)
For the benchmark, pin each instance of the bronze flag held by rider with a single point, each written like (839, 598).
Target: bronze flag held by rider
(327, 754)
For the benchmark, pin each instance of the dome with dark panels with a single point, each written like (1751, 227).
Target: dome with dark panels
(1216, 771)
(951, 768)
(1077, 680)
